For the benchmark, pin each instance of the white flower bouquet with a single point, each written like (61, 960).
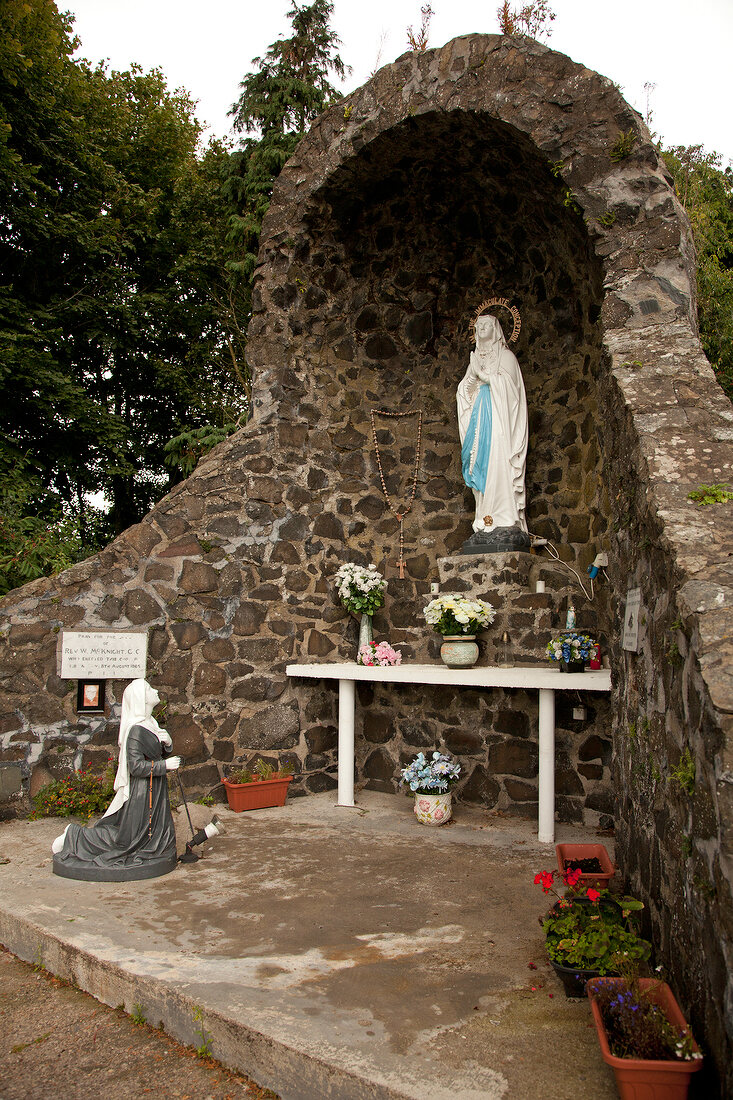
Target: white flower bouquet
(360, 588)
(452, 614)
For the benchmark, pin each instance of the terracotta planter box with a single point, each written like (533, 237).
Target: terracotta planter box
(568, 853)
(637, 1078)
(257, 796)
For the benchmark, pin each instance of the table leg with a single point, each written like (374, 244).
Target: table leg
(347, 697)
(546, 817)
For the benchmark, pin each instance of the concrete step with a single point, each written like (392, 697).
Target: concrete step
(327, 952)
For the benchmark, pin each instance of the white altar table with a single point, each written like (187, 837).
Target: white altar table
(544, 678)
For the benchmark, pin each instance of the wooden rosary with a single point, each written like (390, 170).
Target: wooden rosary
(399, 515)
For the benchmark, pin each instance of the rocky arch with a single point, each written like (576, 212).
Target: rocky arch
(390, 258)
(359, 303)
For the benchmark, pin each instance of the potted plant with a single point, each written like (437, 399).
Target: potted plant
(259, 788)
(644, 1037)
(571, 650)
(361, 591)
(458, 620)
(592, 860)
(430, 780)
(378, 653)
(587, 931)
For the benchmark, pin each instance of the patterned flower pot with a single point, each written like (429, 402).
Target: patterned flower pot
(642, 1078)
(433, 809)
(459, 651)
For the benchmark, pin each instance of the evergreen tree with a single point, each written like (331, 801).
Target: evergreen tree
(117, 325)
(279, 100)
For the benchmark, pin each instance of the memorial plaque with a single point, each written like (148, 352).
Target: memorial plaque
(631, 620)
(103, 655)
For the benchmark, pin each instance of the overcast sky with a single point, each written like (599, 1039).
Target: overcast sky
(683, 47)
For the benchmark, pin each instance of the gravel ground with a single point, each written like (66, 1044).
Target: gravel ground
(56, 1040)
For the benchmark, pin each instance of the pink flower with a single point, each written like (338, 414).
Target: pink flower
(379, 653)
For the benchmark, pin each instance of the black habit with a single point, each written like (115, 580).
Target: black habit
(139, 839)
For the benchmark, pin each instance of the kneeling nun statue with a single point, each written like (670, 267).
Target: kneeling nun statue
(492, 422)
(136, 837)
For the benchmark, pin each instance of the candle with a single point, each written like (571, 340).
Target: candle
(539, 586)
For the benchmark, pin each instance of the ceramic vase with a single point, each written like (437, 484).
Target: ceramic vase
(459, 651)
(433, 809)
(572, 666)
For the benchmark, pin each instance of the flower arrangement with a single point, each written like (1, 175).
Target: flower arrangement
(452, 614)
(590, 929)
(636, 1024)
(571, 647)
(360, 588)
(258, 787)
(433, 776)
(81, 794)
(378, 653)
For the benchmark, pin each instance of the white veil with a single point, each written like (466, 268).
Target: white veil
(490, 343)
(137, 707)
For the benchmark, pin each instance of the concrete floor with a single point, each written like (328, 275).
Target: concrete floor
(329, 952)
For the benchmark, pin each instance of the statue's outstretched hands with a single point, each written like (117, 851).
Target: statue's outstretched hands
(172, 763)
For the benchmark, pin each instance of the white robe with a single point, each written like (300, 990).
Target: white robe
(137, 710)
(502, 501)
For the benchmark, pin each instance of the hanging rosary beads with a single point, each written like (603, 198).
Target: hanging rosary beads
(398, 515)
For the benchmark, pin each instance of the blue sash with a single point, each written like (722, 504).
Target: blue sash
(480, 421)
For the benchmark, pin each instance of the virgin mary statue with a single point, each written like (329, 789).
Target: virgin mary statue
(492, 421)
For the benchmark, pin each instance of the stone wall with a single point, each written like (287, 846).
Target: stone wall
(675, 697)
(480, 169)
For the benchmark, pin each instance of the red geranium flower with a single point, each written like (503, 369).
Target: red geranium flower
(571, 876)
(545, 879)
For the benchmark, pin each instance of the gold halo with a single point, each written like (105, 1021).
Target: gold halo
(503, 303)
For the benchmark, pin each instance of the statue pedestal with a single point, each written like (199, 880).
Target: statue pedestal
(499, 541)
(92, 873)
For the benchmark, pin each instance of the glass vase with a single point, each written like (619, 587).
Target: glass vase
(365, 631)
